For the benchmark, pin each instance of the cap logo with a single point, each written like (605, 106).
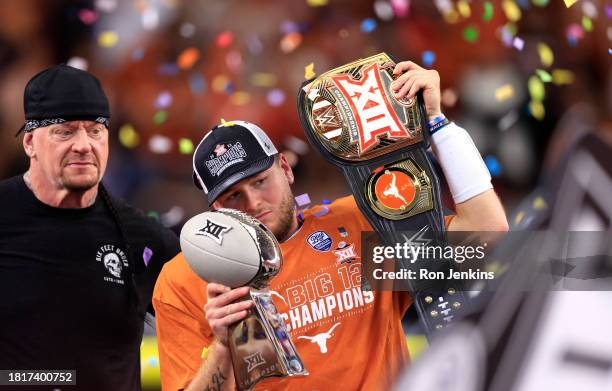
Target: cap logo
(224, 156)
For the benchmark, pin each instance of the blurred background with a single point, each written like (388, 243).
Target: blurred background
(525, 77)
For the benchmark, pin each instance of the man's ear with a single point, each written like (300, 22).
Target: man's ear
(28, 144)
(286, 167)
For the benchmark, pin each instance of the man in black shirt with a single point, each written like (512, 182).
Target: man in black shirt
(77, 266)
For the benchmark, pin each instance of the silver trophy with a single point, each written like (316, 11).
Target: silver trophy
(260, 345)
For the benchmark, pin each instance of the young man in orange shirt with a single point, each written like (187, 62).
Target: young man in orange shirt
(346, 337)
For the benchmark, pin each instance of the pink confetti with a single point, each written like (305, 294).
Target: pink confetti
(401, 8)
(88, 16)
(518, 43)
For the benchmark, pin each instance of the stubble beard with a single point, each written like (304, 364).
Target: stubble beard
(285, 221)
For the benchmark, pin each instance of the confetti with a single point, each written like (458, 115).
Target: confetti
(540, 3)
(464, 8)
(260, 79)
(290, 42)
(240, 98)
(150, 18)
(569, 3)
(512, 11)
(562, 76)
(219, 83)
(187, 58)
(296, 145)
(384, 10)
(536, 108)
(106, 5)
(79, 63)
(302, 200)
(185, 146)
(138, 54)
(449, 97)
(368, 25)
(401, 8)
(160, 144)
(153, 214)
(589, 9)
(343, 33)
(609, 11)
(289, 26)
(546, 55)
(488, 11)
(317, 3)
(168, 69)
(504, 92)
(609, 50)
(470, 34)
(172, 217)
(128, 136)
(587, 24)
(508, 120)
(539, 203)
(88, 16)
(275, 97)
(147, 253)
(160, 117)
(233, 60)
(493, 165)
(197, 84)
(224, 39)
(451, 17)
(254, 44)
(108, 39)
(163, 100)
(518, 43)
(574, 33)
(544, 76)
(519, 217)
(536, 89)
(309, 72)
(187, 30)
(428, 58)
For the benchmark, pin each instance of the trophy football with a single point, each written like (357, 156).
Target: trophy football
(232, 248)
(379, 143)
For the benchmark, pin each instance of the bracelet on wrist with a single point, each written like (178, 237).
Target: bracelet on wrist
(437, 123)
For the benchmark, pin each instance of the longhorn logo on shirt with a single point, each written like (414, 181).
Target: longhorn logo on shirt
(374, 114)
(321, 339)
(345, 253)
(213, 230)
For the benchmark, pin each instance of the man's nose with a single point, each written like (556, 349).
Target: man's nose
(251, 201)
(81, 143)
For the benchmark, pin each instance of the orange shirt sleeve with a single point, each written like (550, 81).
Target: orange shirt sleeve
(182, 330)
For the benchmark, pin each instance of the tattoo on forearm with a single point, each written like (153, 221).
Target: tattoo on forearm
(217, 381)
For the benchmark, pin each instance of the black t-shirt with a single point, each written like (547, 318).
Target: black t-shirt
(67, 287)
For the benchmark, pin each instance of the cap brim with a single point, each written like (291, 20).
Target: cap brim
(254, 168)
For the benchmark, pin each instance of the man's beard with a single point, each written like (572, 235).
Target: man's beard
(286, 217)
(80, 185)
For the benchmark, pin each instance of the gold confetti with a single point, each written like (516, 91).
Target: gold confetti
(546, 54)
(260, 79)
(451, 17)
(562, 76)
(536, 89)
(539, 203)
(108, 39)
(569, 3)
(317, 3)
(504, 92)
(544, 76)
(464, 8)
(519, 217)
(309, 72)
(537, 110)
(219, 83)
(240, 98)
(204, 353)
(225, 123)
(512, 11)
(128, 136)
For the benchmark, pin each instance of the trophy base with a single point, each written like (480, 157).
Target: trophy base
(260, 345)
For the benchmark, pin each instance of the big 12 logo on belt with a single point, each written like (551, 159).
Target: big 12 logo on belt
(354, 115)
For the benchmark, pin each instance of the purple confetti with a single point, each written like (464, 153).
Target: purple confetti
(276, 97)
(164, 100)
(146, 255)
(168, 69)
(302, 200)
(609, 11)
(289, 26)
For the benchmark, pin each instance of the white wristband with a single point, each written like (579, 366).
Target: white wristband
(465, 171)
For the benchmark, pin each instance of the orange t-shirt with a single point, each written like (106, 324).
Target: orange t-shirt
(361, 343)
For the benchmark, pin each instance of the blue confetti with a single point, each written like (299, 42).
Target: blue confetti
(326, 201)
(368, 25)
(524, 4)
(197, 84)
(168, 69)
(138, 54)
(429, 58)
(493, 165)
(609, 50)
(229, 87)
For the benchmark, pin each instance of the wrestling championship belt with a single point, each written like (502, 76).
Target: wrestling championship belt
(350, 116)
